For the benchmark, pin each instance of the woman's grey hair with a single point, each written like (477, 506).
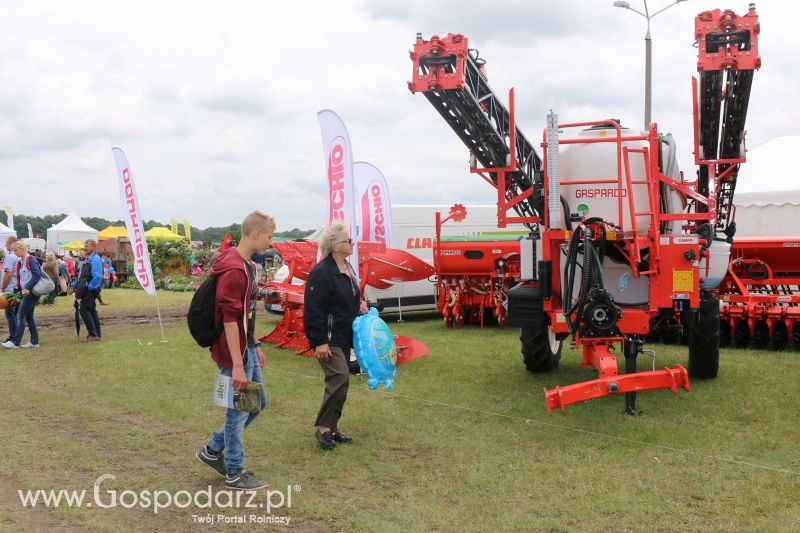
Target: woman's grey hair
(331, 236)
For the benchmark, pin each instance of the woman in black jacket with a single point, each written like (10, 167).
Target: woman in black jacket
(331, 303)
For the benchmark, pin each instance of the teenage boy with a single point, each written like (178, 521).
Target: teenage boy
(236, 352)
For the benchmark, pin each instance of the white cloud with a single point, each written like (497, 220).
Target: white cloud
(215, 103)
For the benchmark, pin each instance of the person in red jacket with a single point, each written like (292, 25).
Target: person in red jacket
(236, 352)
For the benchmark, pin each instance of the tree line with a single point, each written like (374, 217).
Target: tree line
(39, 226)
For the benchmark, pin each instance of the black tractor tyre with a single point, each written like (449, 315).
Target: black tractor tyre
(537, 354)
(760, 335)
(780, 337)
(724, 334)
(741, 334)
(703, 329)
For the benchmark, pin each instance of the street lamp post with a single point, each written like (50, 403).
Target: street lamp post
(648, 54)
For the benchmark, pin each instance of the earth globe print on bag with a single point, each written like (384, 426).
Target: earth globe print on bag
(375, 349)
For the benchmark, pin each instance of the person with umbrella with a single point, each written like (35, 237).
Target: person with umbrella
(88, 287)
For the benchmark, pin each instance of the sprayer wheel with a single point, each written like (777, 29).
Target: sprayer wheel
(760, 335)
(780, 337)
(703, 328)
(541, 350)
(741, 334)
(724, 333)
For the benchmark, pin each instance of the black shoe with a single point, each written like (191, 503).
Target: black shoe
(341, 439)
(244, 480)
(325, 440)
(215, 461)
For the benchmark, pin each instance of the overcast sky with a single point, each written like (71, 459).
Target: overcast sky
(215, 102)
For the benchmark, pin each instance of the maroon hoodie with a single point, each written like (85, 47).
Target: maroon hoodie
(231, 302)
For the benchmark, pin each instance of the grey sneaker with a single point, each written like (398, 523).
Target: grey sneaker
(216, 462)
(10, 345)
(29, 345)
(244, 480)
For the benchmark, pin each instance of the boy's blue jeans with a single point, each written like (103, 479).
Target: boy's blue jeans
(229, 437)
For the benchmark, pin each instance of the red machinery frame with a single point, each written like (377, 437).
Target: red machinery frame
(761, 293)
(473, 277)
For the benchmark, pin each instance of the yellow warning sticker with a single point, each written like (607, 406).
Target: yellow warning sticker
(682, 280)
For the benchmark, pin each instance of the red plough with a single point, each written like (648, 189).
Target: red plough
(378, 267)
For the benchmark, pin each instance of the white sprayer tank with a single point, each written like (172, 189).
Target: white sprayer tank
(598, 161)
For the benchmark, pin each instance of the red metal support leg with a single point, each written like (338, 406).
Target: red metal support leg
(667, 378)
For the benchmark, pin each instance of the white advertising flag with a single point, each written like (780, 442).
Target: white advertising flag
(338, 154)
(134, 223)
(375, 206)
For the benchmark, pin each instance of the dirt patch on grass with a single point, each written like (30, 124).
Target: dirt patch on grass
(19, 518)
(112, 317)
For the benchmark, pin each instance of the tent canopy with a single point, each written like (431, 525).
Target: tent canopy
(72, 227)
(767, 197)
(5, 233)
(160, 233)
(769, 167)
(73, 245)
(113, 232)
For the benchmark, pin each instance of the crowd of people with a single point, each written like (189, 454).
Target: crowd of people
(84, 277)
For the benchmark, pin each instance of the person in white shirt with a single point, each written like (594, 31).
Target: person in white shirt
(8, 283)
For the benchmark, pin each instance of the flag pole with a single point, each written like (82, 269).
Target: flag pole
(160, 323)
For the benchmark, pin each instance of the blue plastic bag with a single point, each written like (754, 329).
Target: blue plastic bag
(375, 348)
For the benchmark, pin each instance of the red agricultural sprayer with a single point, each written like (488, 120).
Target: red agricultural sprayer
(618, 238)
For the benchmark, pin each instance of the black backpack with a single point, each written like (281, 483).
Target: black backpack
(202, 323)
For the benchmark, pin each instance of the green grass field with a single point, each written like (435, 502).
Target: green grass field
(463, 443)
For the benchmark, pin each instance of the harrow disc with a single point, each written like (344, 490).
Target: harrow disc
(741, 334)
(760, 335)
(780, 337)
(724, 334)
(796, 337)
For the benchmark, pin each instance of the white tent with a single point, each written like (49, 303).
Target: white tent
(767, 214)
(767, 197)
(5, 232)
(770, 167)
(70, 228)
